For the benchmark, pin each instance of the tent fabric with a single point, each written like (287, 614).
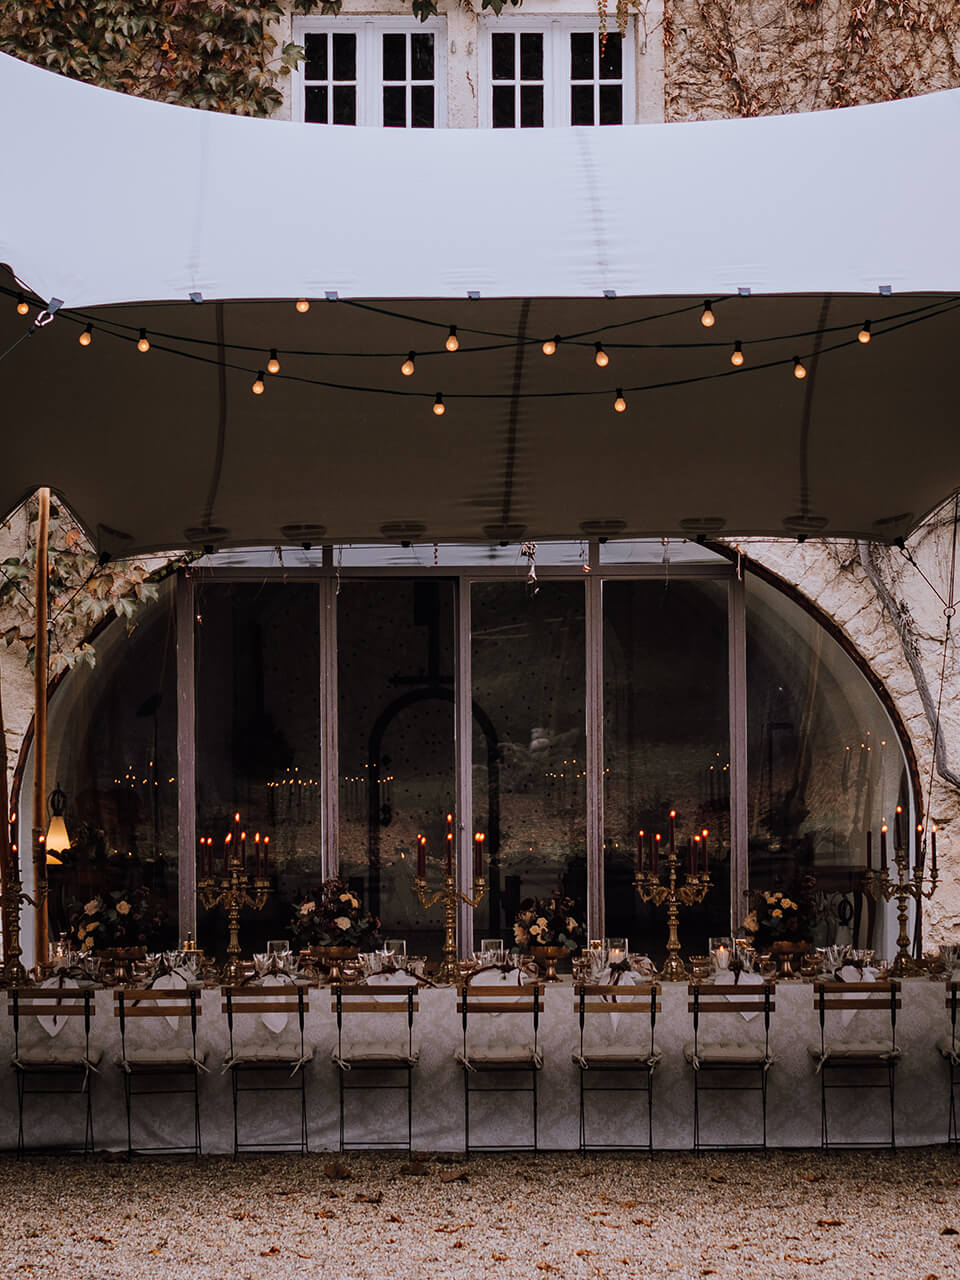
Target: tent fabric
(122, 208)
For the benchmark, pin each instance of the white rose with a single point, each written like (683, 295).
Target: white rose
(343, 922)
(346, 897)
(123, 908)
(307, 907)
(541, 921)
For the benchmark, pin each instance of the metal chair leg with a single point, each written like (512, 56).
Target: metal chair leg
(650, 1112)
(696, 1111)
(824, 1139)
(20, 1096)
(536, 1131)
(127, 1097)
(88, 1127)
(409, 1110)
(236, 1118)
(197, 1149)
(583, 1122)
(466, 1114)
(891, 1070)
(763, 1103)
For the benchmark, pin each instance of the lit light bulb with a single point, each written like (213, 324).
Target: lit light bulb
(22, 305)
(600, 358)
(736, 356)
(86, 337)
(798, 370)
(549, 348)
(303, 306)
(453, 342)
(864, 334)
(409, 366)
(439, 408)
(273, 364)
(620, 405)
(258, 388)
(143, 342)
(707, 318)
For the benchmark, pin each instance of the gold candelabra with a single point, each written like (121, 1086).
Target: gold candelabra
(451, 897)
(690, 893)
(234, 890)
(11, 901)
(906, 886)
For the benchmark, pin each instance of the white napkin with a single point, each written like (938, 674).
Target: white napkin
(274, 1022)
(51, 1024)
(399, 979)
(850, 973)
(170, 982)
(627, 978)
(727, 978)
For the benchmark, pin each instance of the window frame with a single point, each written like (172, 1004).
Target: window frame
(370, 82)
(556, 65)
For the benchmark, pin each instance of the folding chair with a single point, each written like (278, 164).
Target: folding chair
(949, 1047)
(732, 1057)
(162, 1067)
(55, 1063)
(626, 1056)
(841, 1056)
(255, 1061)
(382, 1056)
(490, 1061)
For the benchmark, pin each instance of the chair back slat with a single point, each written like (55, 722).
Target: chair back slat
(500, 999)
(618, 998)
(252, 999)
(46, 1002)
(152, 1002)
(880, 997)
(376, 999)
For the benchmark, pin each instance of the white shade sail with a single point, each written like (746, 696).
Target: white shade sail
(122, 208)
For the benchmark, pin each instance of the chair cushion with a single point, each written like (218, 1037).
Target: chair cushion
(616, 1060)
(373, 1061)
(726, 1054)
(52, 1058)
(161, 1059)
(854, 1051)
(262, 1057)
(501, 1058)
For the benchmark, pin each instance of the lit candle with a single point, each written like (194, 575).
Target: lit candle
(226, 853)
(673, 830)
(883, 847)
(615, 956)
(896, 829)
(706, 856)
(919, 853)
(243, 851)
(478, 840)
(869, 850)
(723, 957)
(640, 849)
(449, 844)
(266, 854)
(691, 856)
(655, 852)
(257, 856)
(933, 851)
(421, 856)
(695, 863)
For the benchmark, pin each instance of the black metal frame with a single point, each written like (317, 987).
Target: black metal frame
(81, 1070)
(839, 1064)
(535, 991)
(133, 1071)
(733, 998)
(409, 996)
(954, 1066)
(238, 1069)
(652, 993)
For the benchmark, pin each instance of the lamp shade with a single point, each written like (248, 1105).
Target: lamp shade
(58, 839)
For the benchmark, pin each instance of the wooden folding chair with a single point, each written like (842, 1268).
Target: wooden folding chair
(842, 1055)
(253, 1063)
(729, 1057)
(949, 1047)
(521, 1058)
(628, 1056)
(374, 1057)
(160, 1069)
(58, 1063)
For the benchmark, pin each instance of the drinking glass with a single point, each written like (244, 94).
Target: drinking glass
(395, 946)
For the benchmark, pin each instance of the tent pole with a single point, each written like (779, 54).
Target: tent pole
(7, 873)
(41, 937)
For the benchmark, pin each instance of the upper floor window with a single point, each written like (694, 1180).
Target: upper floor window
(553, 73)
(384, 73)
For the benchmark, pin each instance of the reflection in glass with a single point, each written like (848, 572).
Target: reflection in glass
(825, 763)
(666, 744)
(396, 689)
(258, 740)
(502, 50)
(529, 776)
(421, 56)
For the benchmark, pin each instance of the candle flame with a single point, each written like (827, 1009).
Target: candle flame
(236, 817)
(657, 837)
(884, 827)
(256, 838)
(243, 835)
(673, 813)
(229, 837)
(899, 808)
(704, 833)
(641, 833)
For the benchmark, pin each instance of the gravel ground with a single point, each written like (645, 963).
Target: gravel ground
(785, 1214)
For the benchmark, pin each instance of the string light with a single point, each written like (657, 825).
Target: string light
(620, 405)
(143, 342)
(409, 365)
(600, 358)
(549, 348)
(864, 335)
(439, 408)
(799, 371)
(273, 364)
(258, 387)
(303, 306)
(736, 356)
(453, 342)
(22, 305)
(707, 318)
(86, 337)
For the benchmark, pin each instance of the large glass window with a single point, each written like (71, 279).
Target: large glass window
(389, 74)
(258, 664)
(666, 746)
(397, 775)
(529, 744)
(825, 765)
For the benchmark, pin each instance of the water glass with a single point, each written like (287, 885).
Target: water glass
(395, 946)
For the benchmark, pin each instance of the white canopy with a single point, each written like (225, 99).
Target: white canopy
(122, 208)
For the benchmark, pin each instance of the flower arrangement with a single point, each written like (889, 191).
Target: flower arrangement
(547, 922)
(119, 918)
(332, 916)
(775, 918)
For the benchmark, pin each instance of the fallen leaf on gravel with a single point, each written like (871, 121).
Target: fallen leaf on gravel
(458, 1244)
(302, 1255)
(416, 1168)
(105, 1240)
(829, 1222)
(239, 1216)
(392, 1217)
(627, 1204)
(583, 1253)
(453, 1175)
(324, 1213)
(950, 1231)
(268, 1253)
(376, 1198)
(337, 1170)
(709, 1272)
(453, 1228)
(717, 1177)
(161, 1244)
(501, 1257)
(643, 1222)
(545, 1266)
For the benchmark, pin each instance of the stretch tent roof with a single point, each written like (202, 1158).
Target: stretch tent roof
(122, 208)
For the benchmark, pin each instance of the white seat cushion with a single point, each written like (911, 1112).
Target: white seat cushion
(617, 1060)
(263, 1057)
(501, 1058)
(726, 1054)
(382, 1060)
(51, 1057)
(171, 1059)
(854, 1051)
